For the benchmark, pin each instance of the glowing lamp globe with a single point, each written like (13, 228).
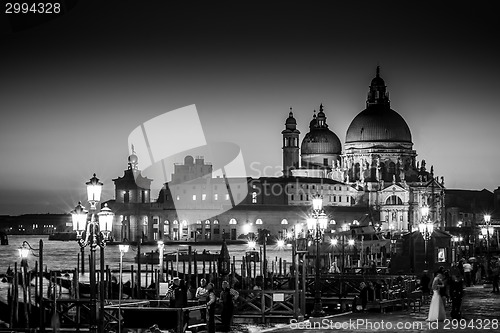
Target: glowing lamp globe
(94, 189)
(105, 220)
(323, 221)
(79, 218)
(311, 224)
(24, 252)
(317, 203)
(123, 248)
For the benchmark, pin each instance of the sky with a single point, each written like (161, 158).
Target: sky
(74, 86)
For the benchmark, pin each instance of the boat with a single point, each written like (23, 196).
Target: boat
(153, 257)
(63, 236)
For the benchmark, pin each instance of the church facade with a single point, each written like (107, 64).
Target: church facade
(374, 179)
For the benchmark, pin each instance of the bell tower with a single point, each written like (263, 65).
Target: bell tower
(290, 145)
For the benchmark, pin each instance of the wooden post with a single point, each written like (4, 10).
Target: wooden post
(190, 253)
(139, 284)
(195, 270)
(40, 286)
(304, 277)
(132, 283)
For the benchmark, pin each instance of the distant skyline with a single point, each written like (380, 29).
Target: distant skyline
(73, 88)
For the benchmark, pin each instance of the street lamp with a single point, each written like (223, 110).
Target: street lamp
(317, 225)
(123, 248)
(93, 234)
(486, 231)
(426, 228)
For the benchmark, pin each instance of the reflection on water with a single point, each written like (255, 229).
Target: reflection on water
(59, 255)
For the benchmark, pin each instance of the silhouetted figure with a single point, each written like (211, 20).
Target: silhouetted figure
(425, 282)
(177, 294)
(227, 296)
(456, 295)
(210, 308)
(363, 295)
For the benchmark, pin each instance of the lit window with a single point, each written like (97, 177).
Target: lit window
(203, 196)
(284, 221)
(216, 221)
(232, 221)
(194, 197)
(259, 221)
(178, 198)
(198, 221)
(207, 221)
(227, 196)
(216, 196)
(166, 222)
(176, 222)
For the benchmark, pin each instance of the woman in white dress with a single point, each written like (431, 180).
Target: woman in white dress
(436, 309)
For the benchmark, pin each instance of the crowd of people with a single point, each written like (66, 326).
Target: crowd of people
(178, 294)
(448, 289)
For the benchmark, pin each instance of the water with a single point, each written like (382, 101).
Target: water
(59, 255)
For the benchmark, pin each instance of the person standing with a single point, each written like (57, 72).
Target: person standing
(456, 295)
(227, 296)
(202, 296)
(467, 273)
(425, 282)
(177, 294)
(210, 311)
(436, 309)
(495, 275)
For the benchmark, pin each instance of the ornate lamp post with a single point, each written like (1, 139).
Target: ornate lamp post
(486, 231)
(317, 225)
(123, 248)
(93, 234)
(426, 228)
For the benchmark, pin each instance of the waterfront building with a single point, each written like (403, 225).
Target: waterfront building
(376, 179)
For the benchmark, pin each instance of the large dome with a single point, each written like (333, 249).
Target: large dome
(378, 123)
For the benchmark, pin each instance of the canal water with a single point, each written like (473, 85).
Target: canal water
(61, 255)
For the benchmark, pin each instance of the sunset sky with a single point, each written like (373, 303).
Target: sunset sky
(73, 88)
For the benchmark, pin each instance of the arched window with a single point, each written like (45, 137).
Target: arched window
(232, 221)
(383, 171)
(259, 221)
(207, 221)
(284, 221)
(176, 222)
(393, 200)
(216, 221)
(392, 169)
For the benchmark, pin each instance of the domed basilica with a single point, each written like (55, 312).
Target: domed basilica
(378, 164)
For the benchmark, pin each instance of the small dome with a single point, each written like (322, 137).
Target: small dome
(321, 141)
